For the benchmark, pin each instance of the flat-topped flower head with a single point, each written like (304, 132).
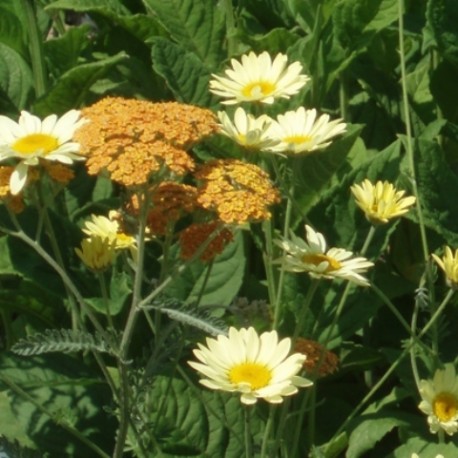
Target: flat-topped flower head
(449, 264)
(440, 400)
(259, 79)
(257, 366)
(109, 228)
(32, 139)
(382, 201)
(313, 256)
(246, 130)
(303, 131)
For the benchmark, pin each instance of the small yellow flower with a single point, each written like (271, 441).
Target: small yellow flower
(109, 228)
(246, 130)
(449, 264)
(302, 132)
(32, 139)
(382, 201)
(440, 400)
(257, 366)
(97, 253)
(257, 78)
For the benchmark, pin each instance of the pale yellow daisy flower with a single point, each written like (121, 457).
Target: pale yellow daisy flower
(258, 78)
(109, 228)
(313, 256)
(382, 201)
(449, 264)
(246, 130)
(97, 253)
(303, 131)
(440, 400)
(32, 139)
(257, 366)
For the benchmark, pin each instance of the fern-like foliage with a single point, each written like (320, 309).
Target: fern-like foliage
(188, 315)
(62, 341)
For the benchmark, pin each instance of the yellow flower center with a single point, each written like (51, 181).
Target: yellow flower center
(258, 89)
(255, 374)
(297, 139)
(34, 143)
(445, 406)
(317, 259)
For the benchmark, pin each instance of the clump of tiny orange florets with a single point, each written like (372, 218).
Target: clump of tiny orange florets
(238, 192)
(59, 172)
(197, 234)
(132, 139)
(14, 202)
(320, 361)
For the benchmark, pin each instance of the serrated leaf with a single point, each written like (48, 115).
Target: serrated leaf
(372, 429)
(74, 85)
(183, 72)
(199, 27)
(61, 341)
(15, 80)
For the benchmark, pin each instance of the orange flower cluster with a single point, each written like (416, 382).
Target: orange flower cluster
(319, 360)
(15, 203)
(192, 238)
(58, 172)
(134, 138)
(238, 192)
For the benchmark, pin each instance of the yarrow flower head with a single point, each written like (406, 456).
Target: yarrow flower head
(257, 366)
(440, 400)
(246, 130)
(303, 131)
(313, 256)
(382, 201)
(238, 192)
(133, 139)
(258, 78)
(449, 264)
(320, 362)
(31, 140)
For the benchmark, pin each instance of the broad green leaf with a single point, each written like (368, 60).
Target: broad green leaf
(199, 27)
(225, 279)
(67, 391)
(11, 32)
(444, 89)
(64, 52)
(442, 16)
(72, 88)
(372, 428)
(425, 448)
(101, 6)
(183, 72)
(15, 80)
(275, 41)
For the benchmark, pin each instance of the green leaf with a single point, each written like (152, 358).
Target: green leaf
(61, 341)
(72, 88)
(199, 27)
(372, 428)
(183, 72)
(11, 32)
(226, 276)
(109, 7)
(442, 16)
(15, 80)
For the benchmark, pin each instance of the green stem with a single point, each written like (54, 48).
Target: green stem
(300, 321)
(105, 298)
(205, 282)
(248, 438)
(35, 48)
(267, 259)
(267, 431)
(58, 421)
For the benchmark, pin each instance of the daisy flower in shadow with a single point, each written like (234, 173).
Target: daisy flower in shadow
(312, 255)
(256, 78)
(257, 366)
(32, 139)
(449, 264)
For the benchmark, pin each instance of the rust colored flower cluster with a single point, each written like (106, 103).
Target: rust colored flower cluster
(319, 360)
(58, 172)
(238, 192)
(192, 238)
(132, 139)
(14, 202)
